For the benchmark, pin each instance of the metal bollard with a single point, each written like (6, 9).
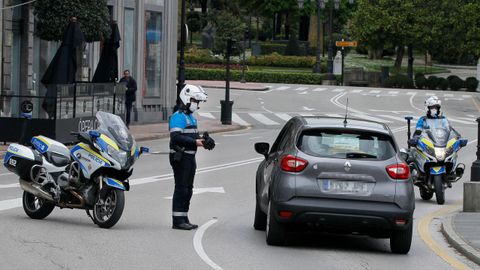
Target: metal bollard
(475, 172)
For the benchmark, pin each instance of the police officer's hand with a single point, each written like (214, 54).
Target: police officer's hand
(200, 142)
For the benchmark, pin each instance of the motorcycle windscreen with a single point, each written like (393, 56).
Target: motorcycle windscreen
(438, 131)
(113, 126)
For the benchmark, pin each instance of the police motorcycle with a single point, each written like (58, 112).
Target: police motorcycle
(432, 158)
(93, 175)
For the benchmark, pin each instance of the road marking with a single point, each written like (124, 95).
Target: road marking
(473, 116)
(319, 89)
(263, 119)
(256, 137)
(238, 120)
(3, 174)
(197, 191)
(283, 88)
(393, 92)
(401, 119)
(474, 100)
(206, 115)
(303, 93)
(197, 245)
(301, 89)
(429, 94)
(10, 204)
(307, 114)
(466, 96)
(10, 186)
(356, 91)
(307, 109)
(283, 116)
(411, 102)
(423, 228)
(459, 99)
(460, 121)
(338, 90)
(411, 93)
(375, 91)
(448, 95)
(333, 115)
(371, 118)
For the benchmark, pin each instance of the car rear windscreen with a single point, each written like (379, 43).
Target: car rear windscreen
(346, 144)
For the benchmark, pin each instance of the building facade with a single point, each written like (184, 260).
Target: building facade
(148, 30)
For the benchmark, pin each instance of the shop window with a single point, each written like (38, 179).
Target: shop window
(153, 52)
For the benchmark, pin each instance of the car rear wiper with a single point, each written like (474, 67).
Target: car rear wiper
(359, 155)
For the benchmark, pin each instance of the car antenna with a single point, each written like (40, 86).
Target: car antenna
(346, 114)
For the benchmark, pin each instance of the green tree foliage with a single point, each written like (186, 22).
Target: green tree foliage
(53, 17)
(226, 26)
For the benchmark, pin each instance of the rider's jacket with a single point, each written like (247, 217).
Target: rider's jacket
(183, 132)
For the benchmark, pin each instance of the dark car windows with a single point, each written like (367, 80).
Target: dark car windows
(281, 136)
(341, 144)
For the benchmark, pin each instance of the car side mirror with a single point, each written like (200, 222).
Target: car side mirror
(463, 142)
(404, 154)
(262, 148)
(144, 150)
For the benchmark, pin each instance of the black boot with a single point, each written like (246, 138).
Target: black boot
(193, 225)
(181, 223)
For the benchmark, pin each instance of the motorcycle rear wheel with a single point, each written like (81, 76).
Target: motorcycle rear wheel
(35, 207)
(108, 208)
(439, 189)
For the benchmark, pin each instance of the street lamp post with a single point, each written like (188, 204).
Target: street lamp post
(181, 66)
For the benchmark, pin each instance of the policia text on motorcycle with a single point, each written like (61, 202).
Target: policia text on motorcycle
(184, 141)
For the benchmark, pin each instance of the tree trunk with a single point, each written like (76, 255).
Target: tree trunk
(410, 61)
(375, 53)
(204, 3)
(399, 59)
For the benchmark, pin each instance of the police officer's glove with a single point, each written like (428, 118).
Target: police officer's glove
(208, 142)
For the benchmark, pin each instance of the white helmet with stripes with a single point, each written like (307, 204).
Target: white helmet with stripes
(192, 95)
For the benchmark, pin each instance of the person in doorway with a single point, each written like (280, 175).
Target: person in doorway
(184, 141)
(130, 94)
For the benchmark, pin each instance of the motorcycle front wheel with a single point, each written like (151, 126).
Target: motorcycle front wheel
(108, 208)
(439, 189)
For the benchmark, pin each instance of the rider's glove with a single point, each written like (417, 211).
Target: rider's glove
(208, 142)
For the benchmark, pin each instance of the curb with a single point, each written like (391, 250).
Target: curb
(457, 241)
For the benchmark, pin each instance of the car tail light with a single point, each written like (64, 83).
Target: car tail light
(290, 163)
(285, 214)
(399, 171)
(400, 222)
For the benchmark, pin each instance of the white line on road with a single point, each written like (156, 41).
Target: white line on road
(206, 115)
(333, 115)
(283, 88)
(447, 95)
(356, 91)
(375, 92)
(460, 121)
(466, 96)
(301, 89)
(371, 118)
(308, 109)
(401, 119)
(263, 119)
(303, 93)
(429, 94)
(197, 191)
(411, 93)
(411, 102)
(10, 204)
(9, 186)
(283, 116)
(393, 92)
(307, 114)
(197, 244)
(338, 90)
(238, 120)
(319, 89)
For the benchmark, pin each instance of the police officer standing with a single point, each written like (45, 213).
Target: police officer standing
(184, 141)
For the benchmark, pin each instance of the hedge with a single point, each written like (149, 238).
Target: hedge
(399, 81)
(255, 76)
(278, 60)
(269, 48)
(471, 84)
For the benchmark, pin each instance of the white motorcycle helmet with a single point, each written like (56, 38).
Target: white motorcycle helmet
(191, 96)
(432, 106)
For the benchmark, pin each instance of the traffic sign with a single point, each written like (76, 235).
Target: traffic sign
(346, 44)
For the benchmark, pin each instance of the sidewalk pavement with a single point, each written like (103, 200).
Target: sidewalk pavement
(147, 132)
(462, 231)
(233, 85)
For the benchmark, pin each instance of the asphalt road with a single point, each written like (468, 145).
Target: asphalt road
(224, 202)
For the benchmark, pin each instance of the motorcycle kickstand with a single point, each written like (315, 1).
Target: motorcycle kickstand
(90, 216)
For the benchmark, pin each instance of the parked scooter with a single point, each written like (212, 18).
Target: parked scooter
(93, 175)
(432, 158)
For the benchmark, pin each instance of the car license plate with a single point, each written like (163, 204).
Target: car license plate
(346, 187)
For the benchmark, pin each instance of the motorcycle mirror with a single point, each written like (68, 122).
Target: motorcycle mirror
(94, 134)
(412, 142)
(144, 150)
(463, 142)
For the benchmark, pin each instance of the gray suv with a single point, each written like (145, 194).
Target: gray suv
(328, 174)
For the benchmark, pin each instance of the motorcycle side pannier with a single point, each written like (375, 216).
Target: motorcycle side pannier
(20, 159)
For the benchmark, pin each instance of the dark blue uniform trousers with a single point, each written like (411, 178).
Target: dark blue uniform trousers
(184, 173)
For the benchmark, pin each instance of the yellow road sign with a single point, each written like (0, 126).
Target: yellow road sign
(346, 44)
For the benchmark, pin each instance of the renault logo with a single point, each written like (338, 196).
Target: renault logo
(347, 166)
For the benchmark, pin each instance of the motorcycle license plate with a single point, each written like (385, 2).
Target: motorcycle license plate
(345, 187)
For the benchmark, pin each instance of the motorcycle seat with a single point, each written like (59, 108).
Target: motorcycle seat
(57, 159)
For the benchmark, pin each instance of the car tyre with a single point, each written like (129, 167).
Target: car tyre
(260, 222)
(276, 232)
(401, 241)
(426, 194)
(439, 189)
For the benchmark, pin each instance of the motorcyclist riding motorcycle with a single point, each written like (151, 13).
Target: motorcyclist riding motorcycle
(434, 160)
